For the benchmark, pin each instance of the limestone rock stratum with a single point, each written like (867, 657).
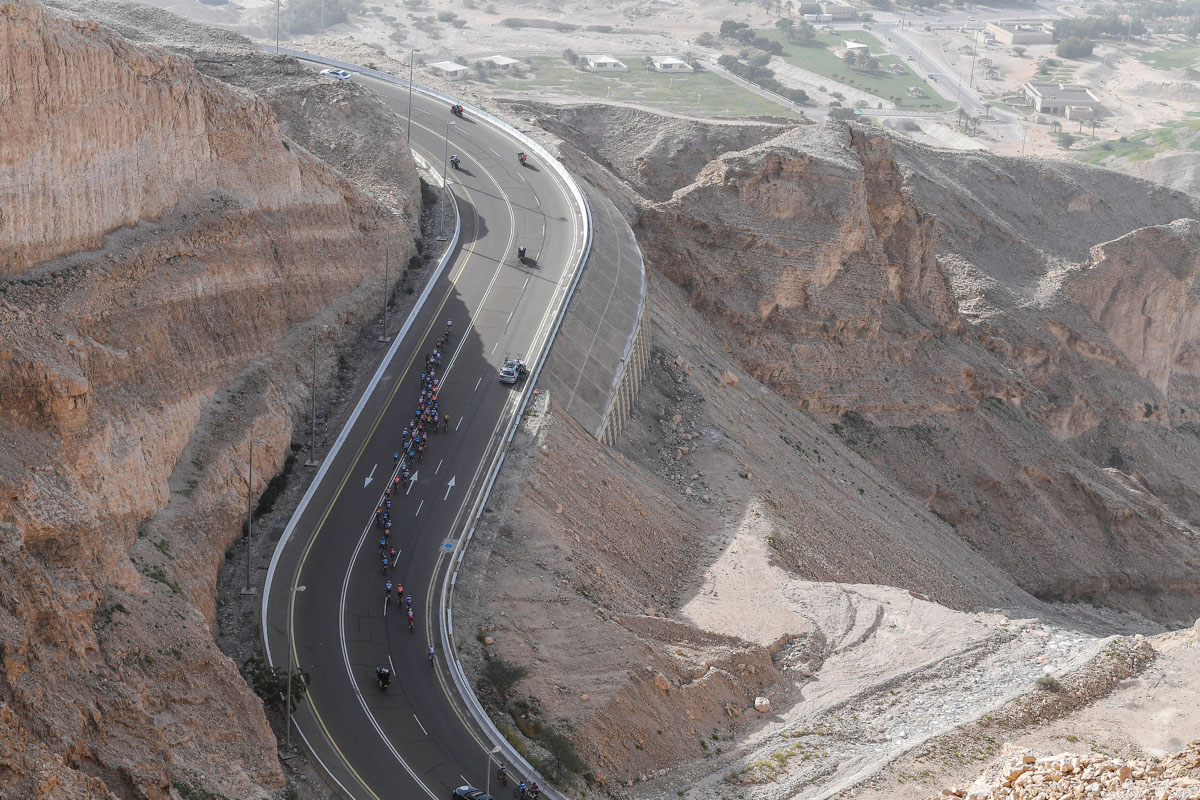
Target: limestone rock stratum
(166, 251)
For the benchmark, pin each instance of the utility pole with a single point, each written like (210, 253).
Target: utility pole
(248, 589)
(291, 657)
(387, 279)
(312, 442)
(408, 130)
(445, 184)
(277, 2)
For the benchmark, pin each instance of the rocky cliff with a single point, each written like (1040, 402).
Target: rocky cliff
(168, 249)
(892, 386)
(992, 333)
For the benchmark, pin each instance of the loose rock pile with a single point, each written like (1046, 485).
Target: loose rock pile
(1022, 775)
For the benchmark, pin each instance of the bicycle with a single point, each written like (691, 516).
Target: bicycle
(431, 655)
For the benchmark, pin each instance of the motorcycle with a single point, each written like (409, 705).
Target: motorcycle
(521, 253)
(521, 157)
(454, 161)
(457, 111)
(383, 677)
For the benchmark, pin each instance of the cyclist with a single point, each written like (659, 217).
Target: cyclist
(501, 773)
(395, 457)
(521, 791)
(410, 621)
(535, 791)
(407, 600)
(387, 592)
(431, 655)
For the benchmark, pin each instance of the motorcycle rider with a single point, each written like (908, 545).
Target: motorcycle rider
(521, 252)
(521, 157)
(384, 676)
(454, 160)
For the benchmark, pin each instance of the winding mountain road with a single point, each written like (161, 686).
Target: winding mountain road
(417, 739)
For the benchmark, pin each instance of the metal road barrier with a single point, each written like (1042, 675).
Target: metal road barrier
(454, 667)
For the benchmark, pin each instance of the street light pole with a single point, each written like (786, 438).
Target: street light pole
(277, 2)
(488, 788)
(291, 660)
(248, 589)
(445, 184)
(408, 130)
(312, 442)
(387, 278)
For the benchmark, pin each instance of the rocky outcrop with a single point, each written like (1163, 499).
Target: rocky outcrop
(171, 250)
(950, 317)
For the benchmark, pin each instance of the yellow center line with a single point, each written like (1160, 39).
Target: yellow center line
(337, 495)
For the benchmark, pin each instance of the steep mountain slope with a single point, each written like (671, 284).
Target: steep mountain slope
(170, 249)
(892, 387)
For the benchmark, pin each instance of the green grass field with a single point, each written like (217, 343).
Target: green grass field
(701, 94)
(1147, 144)
(819, 58)
(1173, 57)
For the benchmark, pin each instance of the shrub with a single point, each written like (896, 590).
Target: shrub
(270, 684)
(503, 675)
(429, 196)
(1048, 683)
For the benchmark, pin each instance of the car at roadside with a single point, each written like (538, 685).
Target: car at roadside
(469, 793)
(513, 371)
(337, 74)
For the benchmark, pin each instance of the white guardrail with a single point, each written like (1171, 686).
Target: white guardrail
(511, 756)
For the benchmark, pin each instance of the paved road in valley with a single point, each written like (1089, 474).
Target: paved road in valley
(415, 740)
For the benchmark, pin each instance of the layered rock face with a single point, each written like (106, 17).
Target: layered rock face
(1012, 342)
(166, 251)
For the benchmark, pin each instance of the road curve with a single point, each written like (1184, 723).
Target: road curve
(417, 740)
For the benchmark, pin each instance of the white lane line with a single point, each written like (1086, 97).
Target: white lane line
(497, 344)
(464, 777)
(439, 467)
(390, 664)
(494, 151)
(419, 508)
(460, 419)
(385, 604)
(507, 321)
(526, 283)
(422, 727)
(476, 389)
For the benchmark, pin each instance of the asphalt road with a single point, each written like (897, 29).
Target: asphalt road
(415, 740)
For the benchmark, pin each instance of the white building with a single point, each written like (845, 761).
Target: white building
(669, 64)
(841, 13)
(450, 69)
(604, 64)
(502, 62)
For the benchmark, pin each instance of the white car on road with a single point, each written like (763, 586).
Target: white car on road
(337, 74)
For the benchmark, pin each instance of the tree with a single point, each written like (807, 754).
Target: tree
(562, 750)
(1074, 47)
(804, 33)
(730, 27)
(571, 56)
(1065, 140)
(1019, 50)
(786, 27)
(869, 62)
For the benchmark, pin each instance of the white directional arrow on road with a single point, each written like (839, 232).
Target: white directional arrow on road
(369, 478)
(412, 481)
(449, 486)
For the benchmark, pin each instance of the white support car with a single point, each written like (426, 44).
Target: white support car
(337, 74)
(513, 371)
